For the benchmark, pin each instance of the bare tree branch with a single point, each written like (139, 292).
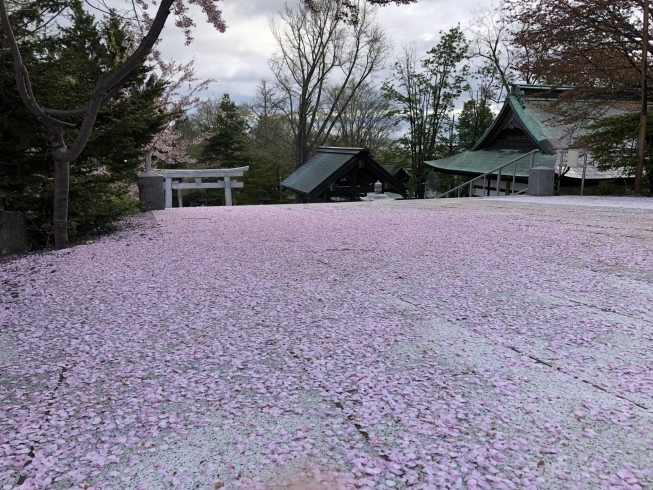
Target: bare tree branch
(319, 51)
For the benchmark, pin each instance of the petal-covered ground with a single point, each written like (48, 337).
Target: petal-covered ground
(487, 343)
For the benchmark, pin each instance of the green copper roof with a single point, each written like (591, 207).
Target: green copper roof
(528, 107)
(480, 162)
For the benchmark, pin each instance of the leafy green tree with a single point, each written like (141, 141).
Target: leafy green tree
(102, 175)
(612, 142)
(271, 160)
(475, 118)
(424, 93)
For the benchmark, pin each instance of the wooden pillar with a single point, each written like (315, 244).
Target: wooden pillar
(498, 182)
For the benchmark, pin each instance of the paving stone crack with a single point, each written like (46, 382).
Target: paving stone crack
(581, 303)
(559, 369)
(31, 454)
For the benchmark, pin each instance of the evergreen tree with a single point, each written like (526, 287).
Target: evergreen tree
(227, 146)
(100, 178)
(270, 160)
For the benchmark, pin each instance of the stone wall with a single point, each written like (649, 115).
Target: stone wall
(13, 233)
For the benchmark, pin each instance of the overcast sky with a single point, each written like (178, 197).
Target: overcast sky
(237, 59)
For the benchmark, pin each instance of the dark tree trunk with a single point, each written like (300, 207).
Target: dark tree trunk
(105, 89)
(301, 143)
(61, 191)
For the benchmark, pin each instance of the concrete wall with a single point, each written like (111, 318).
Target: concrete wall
(541, 181)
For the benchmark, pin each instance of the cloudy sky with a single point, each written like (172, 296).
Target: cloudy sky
(237, 59)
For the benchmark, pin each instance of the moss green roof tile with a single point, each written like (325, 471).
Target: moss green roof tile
(527, 107)
(530, 105)
(480, 162)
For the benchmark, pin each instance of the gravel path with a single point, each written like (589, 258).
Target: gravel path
(487, 343)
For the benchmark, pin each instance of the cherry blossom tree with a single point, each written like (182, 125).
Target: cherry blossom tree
(57, 120)
(105, 89)
(182, 95)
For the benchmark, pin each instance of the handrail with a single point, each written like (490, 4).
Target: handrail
(498, 170)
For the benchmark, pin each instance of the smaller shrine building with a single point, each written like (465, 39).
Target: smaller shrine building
(341, 174)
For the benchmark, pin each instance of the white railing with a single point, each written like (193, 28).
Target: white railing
(224, 173)
(497, 170)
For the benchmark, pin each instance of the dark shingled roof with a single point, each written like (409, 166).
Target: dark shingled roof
(330, 164)
(325, 163)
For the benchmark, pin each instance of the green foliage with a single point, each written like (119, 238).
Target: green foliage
(227, 147)
(607, 188)
(440, 182)
(612, 142)
(394, 154)
(259, 140)
(424, 94)
(271, 159)
(475, 118)
(64, 66)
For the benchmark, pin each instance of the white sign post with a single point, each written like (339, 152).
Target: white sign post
(573, 159)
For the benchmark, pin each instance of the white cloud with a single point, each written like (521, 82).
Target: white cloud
(238, 58)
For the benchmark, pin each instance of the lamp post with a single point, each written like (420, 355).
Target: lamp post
(641, 139)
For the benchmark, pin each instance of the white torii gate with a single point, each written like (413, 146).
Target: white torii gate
(225, 173)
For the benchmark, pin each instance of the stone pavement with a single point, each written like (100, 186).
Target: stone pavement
(485, 343)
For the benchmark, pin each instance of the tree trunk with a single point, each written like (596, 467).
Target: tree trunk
(61, 189)
(301, 143)
(641, 138)
(105, 89)
(420, 189)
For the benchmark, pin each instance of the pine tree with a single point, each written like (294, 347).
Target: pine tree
(100, 178)
(228, 146)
